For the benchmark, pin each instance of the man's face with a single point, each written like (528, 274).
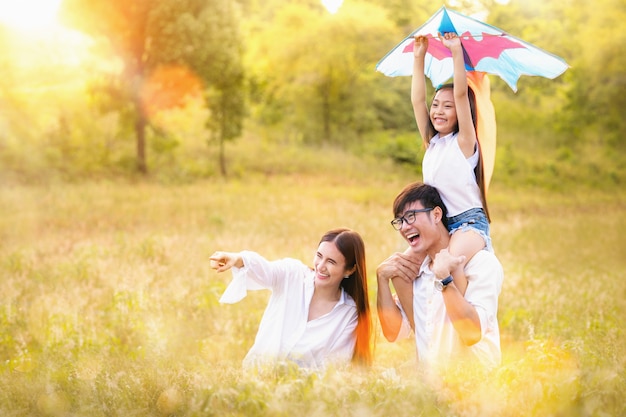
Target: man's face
(418, 227)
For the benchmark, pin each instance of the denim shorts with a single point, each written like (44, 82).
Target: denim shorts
(474, 219)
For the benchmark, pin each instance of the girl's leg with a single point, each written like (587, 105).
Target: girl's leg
(466, 243)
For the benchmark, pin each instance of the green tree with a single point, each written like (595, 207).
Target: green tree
(205, 36)
(588, 36)
(595, 95)
(407, 15)
(146, 34)
(124, 24)
(314, 72)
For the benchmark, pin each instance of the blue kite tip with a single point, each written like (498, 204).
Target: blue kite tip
(446, 25)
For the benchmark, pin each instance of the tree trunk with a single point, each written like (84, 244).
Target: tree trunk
(140, 123)
(222, 157)
(222, 135)
(140, 132)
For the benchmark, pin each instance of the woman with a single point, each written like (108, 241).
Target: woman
(315, 317)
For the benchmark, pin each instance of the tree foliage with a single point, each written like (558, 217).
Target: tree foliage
(587, 35)
(290, 72)
(598, 75)
(125, 25)
(145, 35)
(207, 39)
(310, 70)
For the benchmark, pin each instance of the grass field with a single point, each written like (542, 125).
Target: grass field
(108, 306)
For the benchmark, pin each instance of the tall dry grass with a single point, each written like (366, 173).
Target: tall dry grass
(109, 308)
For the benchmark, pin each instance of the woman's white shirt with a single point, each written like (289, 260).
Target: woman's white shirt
(285, 333)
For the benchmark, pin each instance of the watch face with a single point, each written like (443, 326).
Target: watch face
(441, 284)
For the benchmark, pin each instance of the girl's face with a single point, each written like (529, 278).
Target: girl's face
(330, 265)
(443, 112)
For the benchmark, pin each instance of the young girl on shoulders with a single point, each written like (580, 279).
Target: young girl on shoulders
(452, 162)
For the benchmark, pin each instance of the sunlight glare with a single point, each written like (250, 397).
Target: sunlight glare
(29, 15)
(332, 5)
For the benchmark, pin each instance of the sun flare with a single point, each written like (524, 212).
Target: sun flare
(332, 5)
(37, 45)
(29, 15)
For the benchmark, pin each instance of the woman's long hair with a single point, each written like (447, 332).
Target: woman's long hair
(479, 170)
(352, 248)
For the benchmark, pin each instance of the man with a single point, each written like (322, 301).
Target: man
(450, 328)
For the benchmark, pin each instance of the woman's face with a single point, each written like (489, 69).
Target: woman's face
(443, 112)
(330, 265)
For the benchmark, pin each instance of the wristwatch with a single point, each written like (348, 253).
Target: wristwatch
(442, 284)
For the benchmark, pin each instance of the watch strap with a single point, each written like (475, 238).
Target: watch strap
(446, 281)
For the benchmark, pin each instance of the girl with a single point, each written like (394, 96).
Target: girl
(315, 317)
(452, 159)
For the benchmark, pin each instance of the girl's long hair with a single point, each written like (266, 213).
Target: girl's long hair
(479, 170)
(352, 247)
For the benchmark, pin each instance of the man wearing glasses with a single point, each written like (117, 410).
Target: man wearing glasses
(451, 329)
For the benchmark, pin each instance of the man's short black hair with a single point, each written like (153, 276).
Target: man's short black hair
(427, 195)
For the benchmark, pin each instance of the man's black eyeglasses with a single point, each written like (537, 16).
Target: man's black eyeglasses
(408, 217)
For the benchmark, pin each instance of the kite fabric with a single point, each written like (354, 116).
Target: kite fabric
(486, 121)
(486, 48)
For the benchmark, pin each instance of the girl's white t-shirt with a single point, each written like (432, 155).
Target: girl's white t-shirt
(446, 168)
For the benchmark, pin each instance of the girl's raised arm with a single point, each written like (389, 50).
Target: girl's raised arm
(467, 131)
(418, 90)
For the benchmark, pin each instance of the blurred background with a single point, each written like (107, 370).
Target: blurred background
(138, 137)
(181, 90)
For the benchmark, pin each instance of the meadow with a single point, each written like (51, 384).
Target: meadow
(108, 306)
